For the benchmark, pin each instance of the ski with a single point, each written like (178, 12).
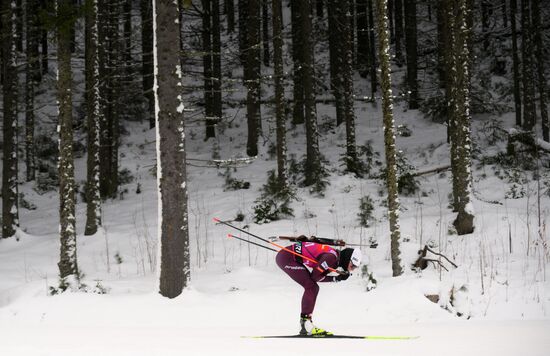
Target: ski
(336, 336)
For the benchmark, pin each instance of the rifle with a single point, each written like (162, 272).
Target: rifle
(315, 239)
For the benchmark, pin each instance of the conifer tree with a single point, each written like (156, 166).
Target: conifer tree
(313, 166)
(527, 60)
(68, 267)
(279, 92)
(252, 77)
(146, 9)
(171, 169)
(93, 113)
(411, 51)
(460, 116)
(516, 63)
(32, 75)
(541, 79)
(10, 214)
(389, 136)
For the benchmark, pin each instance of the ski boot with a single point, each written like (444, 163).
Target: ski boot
(308, 329)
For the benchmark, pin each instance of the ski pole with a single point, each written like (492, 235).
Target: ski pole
(250, 242)
(292, 252)
(272, 243)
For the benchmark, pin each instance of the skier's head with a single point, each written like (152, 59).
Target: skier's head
(350, 258)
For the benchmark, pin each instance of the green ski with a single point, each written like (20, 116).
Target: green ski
(367, 337)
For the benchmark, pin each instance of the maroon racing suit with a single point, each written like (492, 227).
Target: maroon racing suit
(295, 267)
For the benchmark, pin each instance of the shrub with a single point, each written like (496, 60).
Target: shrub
(233, 183)
(366, 208)
(274, 201)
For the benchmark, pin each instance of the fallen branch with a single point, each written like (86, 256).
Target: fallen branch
(422, 261)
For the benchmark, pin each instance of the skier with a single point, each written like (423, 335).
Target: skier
(307, 273)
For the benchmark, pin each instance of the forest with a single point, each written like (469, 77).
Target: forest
(139, 134)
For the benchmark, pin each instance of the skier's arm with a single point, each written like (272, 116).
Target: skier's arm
(326, 261)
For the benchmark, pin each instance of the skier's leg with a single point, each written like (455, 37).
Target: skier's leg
(300, 275)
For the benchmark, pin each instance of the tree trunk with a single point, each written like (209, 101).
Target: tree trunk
(336, 33)
(10, 214)
(216, 62)
(460, 107)
(516, 64)
(265, 32)
(411, 49)
(127, 16)
(93, 107)
(243, 28)
(298, 114)
(147, 58)
(253, 66)
(279, 91)
(352, 162)
(528, 78)
(18, 25)
(230, 13)
(44, 39)
(68, 267)
(362, 38)
(30, 84)
(398, 10)
(389, 137)
(175, 266)
(208, 70)
(541, 80)
(372, 50)
(313, 168)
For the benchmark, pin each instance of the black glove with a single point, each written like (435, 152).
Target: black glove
(342, 277)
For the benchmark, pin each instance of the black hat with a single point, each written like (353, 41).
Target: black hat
(345, 257)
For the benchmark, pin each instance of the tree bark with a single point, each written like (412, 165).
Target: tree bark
(362, 38)
(389, 137)
(279, 91)
(411, 49)
(171, 169)
(32, 74)
(44, 40)
(336, 38)
(216, 62)
(298, 114)
(93, 107)
(313, 168)
(147, 58)
(398, 9)
(528, 78)
(372, 50)
(252, 68)
(243, 28)
(208, 70)
(460, 107)
(265, 32)
(516, 64)
(68, 267)
(10, 214)
(541, 80)
(230, 13)
(352, 162)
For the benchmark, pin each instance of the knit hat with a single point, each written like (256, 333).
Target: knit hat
(348, 255)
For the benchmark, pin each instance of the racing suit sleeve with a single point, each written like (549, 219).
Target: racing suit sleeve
(325, 261)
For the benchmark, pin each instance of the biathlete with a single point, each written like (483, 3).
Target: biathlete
(307, 273)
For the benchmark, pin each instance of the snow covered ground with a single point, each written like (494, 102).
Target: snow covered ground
(236, 289)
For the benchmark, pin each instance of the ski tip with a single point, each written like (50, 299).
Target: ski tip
(229, 235)
(216, 220)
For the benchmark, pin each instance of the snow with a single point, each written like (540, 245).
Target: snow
(501, 286)
(237, 291)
